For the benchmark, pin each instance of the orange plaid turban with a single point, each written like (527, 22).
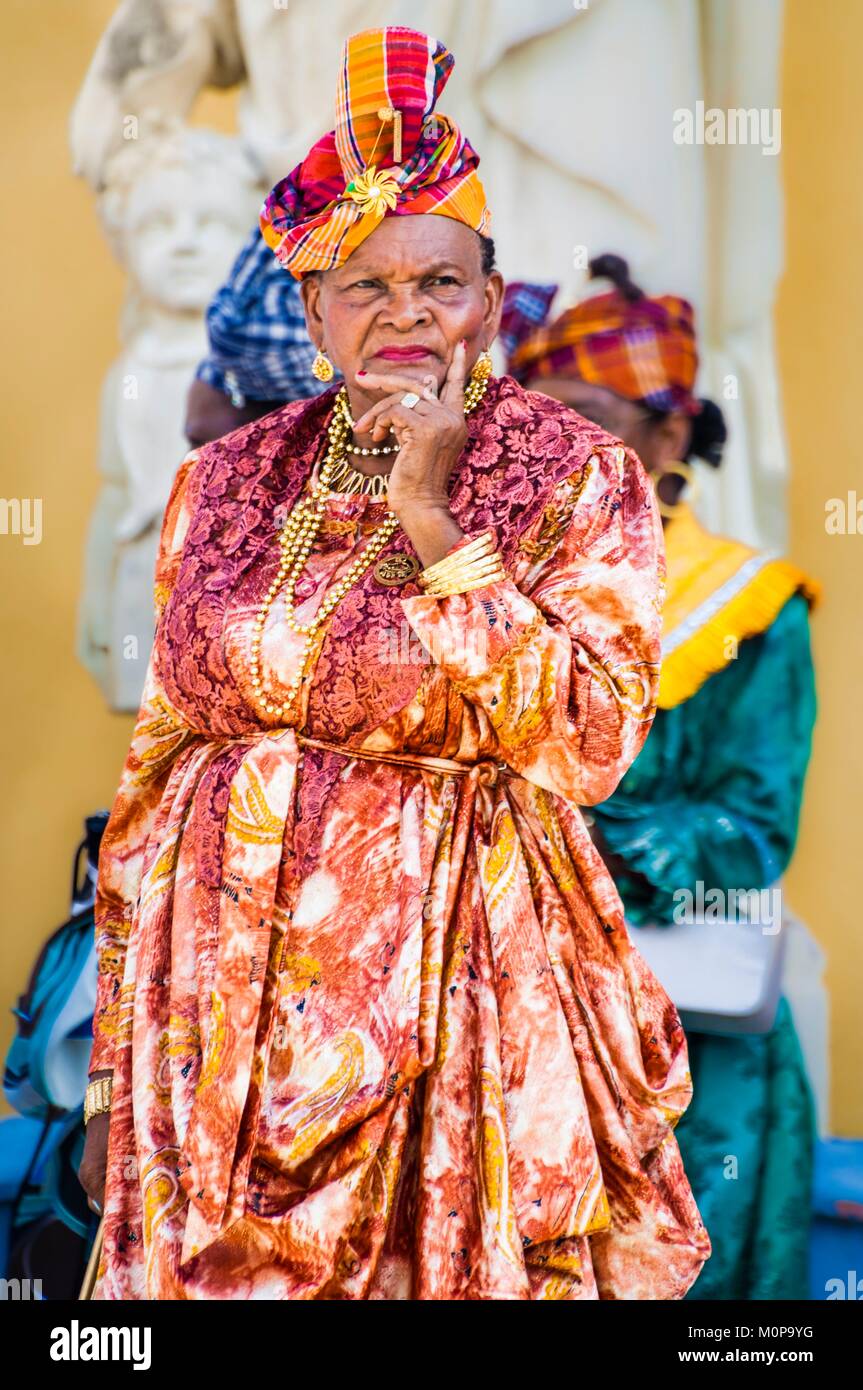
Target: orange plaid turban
(389, 83)
(639, 347)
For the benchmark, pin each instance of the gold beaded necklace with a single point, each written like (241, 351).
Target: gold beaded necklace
(298, 537)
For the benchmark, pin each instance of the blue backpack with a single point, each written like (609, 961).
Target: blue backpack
(44, 1081)
(46, 1065)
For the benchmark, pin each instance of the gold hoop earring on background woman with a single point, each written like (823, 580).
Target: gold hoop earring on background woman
(677, 469)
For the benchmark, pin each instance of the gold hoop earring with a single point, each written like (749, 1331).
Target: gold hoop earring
(482, 367)
(677, 469)
(322, 367)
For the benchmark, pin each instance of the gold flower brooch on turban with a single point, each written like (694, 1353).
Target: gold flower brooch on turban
(372, 191)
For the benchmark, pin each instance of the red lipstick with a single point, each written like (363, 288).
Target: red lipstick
(403, 354)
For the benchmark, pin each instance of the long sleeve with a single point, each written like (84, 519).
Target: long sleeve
(717, 799)
(158, 737)
(562, 657)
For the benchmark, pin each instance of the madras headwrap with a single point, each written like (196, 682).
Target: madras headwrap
(642, 348)
(350, 180)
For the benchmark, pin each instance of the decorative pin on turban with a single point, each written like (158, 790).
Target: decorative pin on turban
(390, 155)
(642, 348)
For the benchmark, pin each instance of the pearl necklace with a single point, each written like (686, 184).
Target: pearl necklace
(296, 541)
(378, 449)
(342, 404)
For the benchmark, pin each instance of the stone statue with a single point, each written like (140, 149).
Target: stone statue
(176, 203)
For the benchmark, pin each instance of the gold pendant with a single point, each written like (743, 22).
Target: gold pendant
(396, 569)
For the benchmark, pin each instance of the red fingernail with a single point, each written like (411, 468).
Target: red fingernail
(362, 373)
(464, 343)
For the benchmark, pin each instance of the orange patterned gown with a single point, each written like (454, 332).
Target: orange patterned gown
(377, 1028)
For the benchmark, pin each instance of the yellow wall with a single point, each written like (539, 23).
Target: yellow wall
(62, 752)
(818, 319)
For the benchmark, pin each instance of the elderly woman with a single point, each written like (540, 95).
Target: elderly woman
(374, 1024)
(714, 797)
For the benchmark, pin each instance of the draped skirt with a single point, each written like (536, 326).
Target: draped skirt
(386, 1036)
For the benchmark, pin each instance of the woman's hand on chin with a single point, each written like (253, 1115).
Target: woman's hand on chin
(430, 434)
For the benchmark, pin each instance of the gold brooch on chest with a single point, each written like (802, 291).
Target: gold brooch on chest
(396, 569)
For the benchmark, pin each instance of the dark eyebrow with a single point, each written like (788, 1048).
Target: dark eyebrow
(436, 268)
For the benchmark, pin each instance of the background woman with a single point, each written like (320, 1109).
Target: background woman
(714, 796)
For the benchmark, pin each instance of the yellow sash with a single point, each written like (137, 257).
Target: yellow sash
(719, 592)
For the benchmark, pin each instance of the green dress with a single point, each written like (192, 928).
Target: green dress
(715, 796)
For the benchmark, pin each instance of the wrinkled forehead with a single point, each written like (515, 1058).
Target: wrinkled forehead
(409, 247)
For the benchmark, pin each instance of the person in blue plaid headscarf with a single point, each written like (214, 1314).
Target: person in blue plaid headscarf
(260, 353)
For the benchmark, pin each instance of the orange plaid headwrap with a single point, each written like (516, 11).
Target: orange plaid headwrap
(389, 82)
(641, 348)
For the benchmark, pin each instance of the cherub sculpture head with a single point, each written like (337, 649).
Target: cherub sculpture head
(177, 205)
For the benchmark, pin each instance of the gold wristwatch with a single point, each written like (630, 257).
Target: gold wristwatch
(97, 1098)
